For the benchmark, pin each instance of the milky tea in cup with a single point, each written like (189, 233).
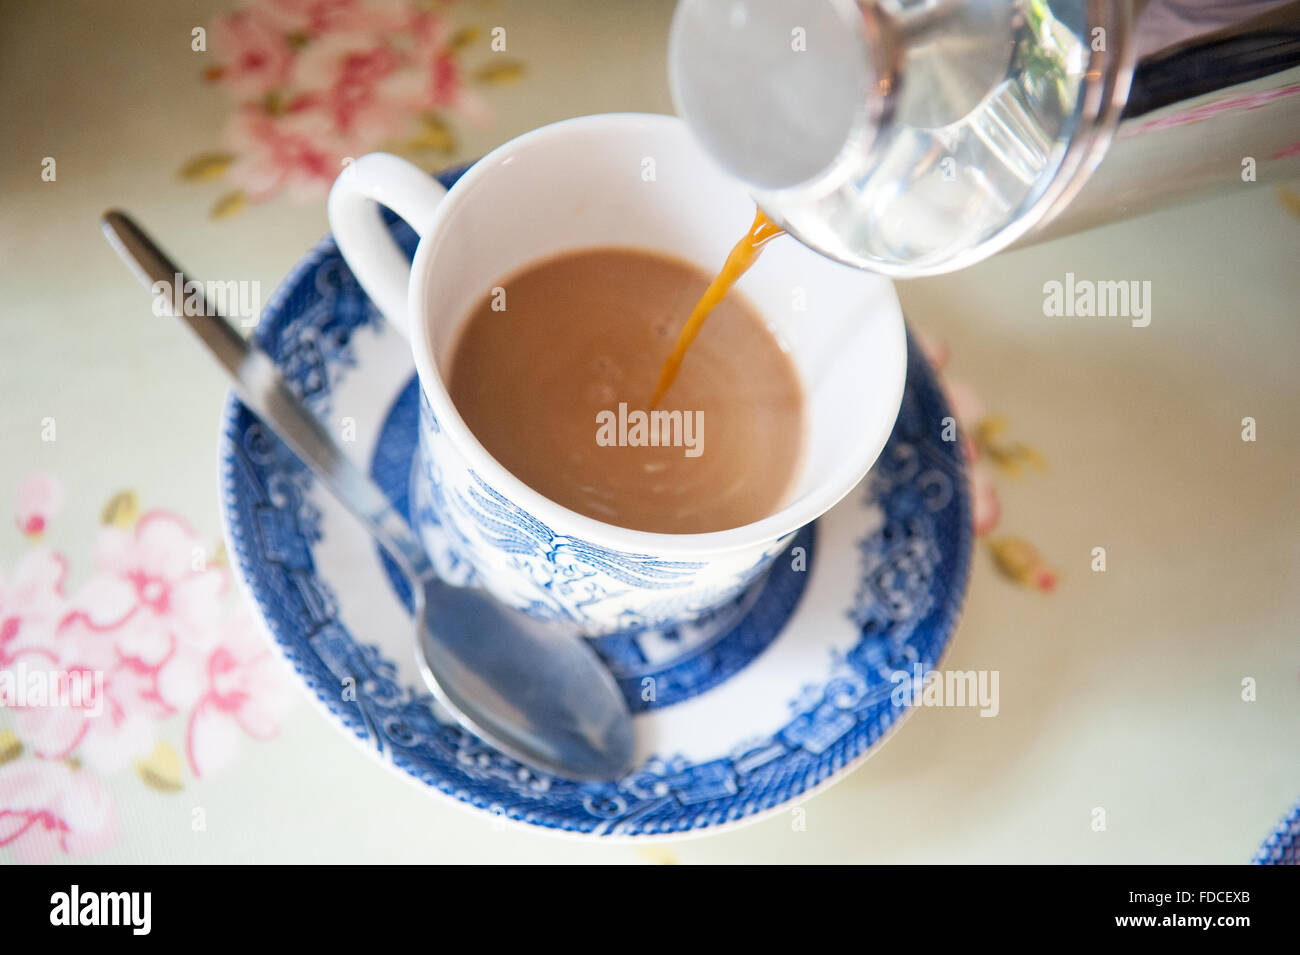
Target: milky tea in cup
(555, 374)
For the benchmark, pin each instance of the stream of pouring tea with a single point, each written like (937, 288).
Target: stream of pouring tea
(743, 254)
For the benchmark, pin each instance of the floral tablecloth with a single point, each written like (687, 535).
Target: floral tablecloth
(1135, 587)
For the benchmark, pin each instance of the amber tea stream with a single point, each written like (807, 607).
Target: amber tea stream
(743, 254)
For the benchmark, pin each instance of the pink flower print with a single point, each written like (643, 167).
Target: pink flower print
(246, 694)
(1287, 152)
(31, 605)
(49, 808)
(1251, 101)
(985, 503)
(355, 80)
(255, 53)
(39, 499)
(435, 66)
(297, 151)
(150, 590)
(310, 19)
(111, 721)
(317, 81)
(435, 83)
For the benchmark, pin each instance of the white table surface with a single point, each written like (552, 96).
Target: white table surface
(1119, 690)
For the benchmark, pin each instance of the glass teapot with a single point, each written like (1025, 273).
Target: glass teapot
(914, 137)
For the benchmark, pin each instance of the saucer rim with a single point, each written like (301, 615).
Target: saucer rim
(231, 408)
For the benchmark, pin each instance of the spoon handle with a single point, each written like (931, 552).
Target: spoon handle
(259, 385)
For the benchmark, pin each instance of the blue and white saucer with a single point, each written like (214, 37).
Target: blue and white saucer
(730, 727)
(1282, 847)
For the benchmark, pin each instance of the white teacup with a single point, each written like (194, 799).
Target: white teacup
(621, 179)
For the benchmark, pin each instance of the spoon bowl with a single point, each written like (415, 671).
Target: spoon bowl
(549, 701)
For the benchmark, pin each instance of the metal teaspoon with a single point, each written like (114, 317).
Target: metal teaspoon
(533, 689)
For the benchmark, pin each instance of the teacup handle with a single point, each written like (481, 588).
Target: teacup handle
(362, 237)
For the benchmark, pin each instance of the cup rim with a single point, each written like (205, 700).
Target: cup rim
(804, 509)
